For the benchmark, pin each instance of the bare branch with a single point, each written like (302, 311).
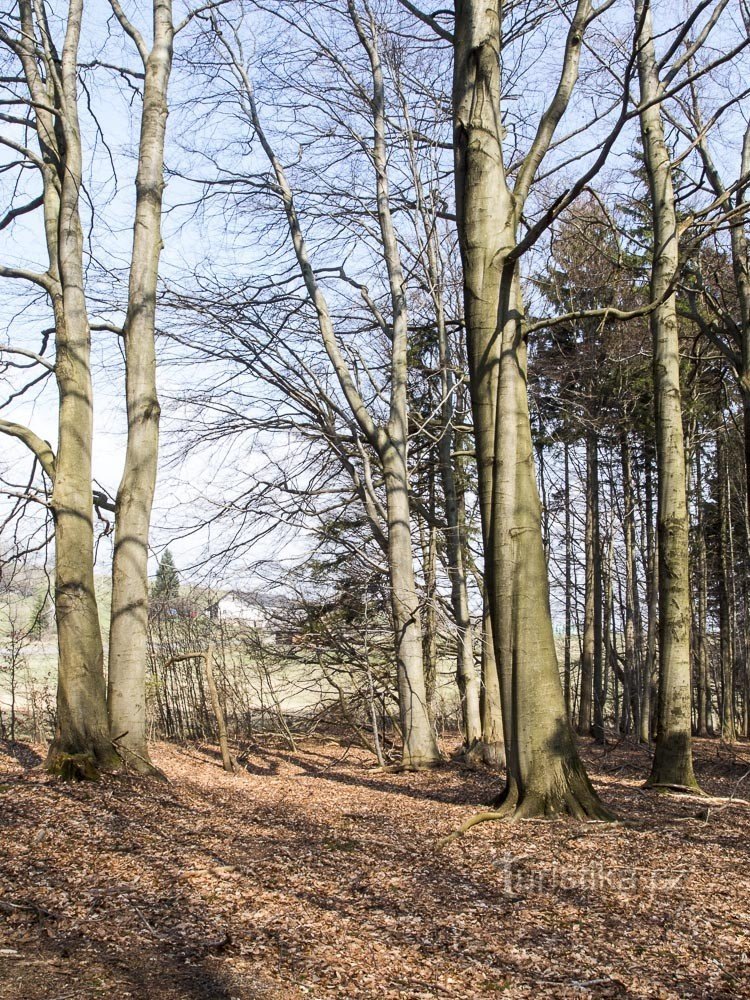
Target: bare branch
(42, 449)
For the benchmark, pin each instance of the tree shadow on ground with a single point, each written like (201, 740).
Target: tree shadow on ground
(236, 878)
(143, 973)
(26, 755)
(470, 785)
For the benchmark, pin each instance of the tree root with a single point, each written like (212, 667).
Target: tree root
(74, 766)
(132, 760)
(483, 817)
(552, 804)
(410, 767)
(481, 756)
(12, 908)
(666, 787)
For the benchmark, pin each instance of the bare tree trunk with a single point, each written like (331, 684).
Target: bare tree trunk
(466, 674)
(673, 761)
(702, 602)
(591, 660)
(128, 639)
(391, 440)
(52, 81)
(493, 737)
(543, 498)
(568, 582)
(745, 666)
(632, 615)
(221, 723)
(455, 543)
(420, 745)
(652, 591)
(455, 532)
(726, 636)
(420, 748)
(609, 644)
(545, 774)
(81, 696)
(427, 534)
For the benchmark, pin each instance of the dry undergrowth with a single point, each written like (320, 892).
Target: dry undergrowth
(310, 874)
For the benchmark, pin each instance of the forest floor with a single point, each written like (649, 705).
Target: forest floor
(311, 875)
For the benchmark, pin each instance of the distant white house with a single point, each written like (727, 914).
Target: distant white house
(239, 606)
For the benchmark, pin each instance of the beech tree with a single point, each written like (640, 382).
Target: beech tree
(545, 774)
(50, 78)
(389, 438)
(50, 75)
(429, 331)
(128, 637)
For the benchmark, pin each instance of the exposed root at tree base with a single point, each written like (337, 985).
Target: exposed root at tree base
(666, 787)
(481, 755)
(530, 807)
(133, 763)
(73, 766)
(410, 767)
(484, 817)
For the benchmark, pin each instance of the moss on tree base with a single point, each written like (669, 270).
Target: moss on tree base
(73, 766)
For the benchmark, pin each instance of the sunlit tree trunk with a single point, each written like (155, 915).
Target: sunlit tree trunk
(428, 542)
(673, 762)
(545, 774)
(128, 639)
(52, 81)
(466, 674)
(420, 746)
(419, 740)
(493, 737)
(389, 440)
(467, 679)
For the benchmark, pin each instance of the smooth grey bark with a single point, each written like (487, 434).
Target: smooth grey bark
(673, 761)
(455, 533)
(466, 674)
(467, 681)
(420, 746)
(52, 81)
(128, 638)
(428, 541)
(545, 774)
(493, 736)
(568, 581)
